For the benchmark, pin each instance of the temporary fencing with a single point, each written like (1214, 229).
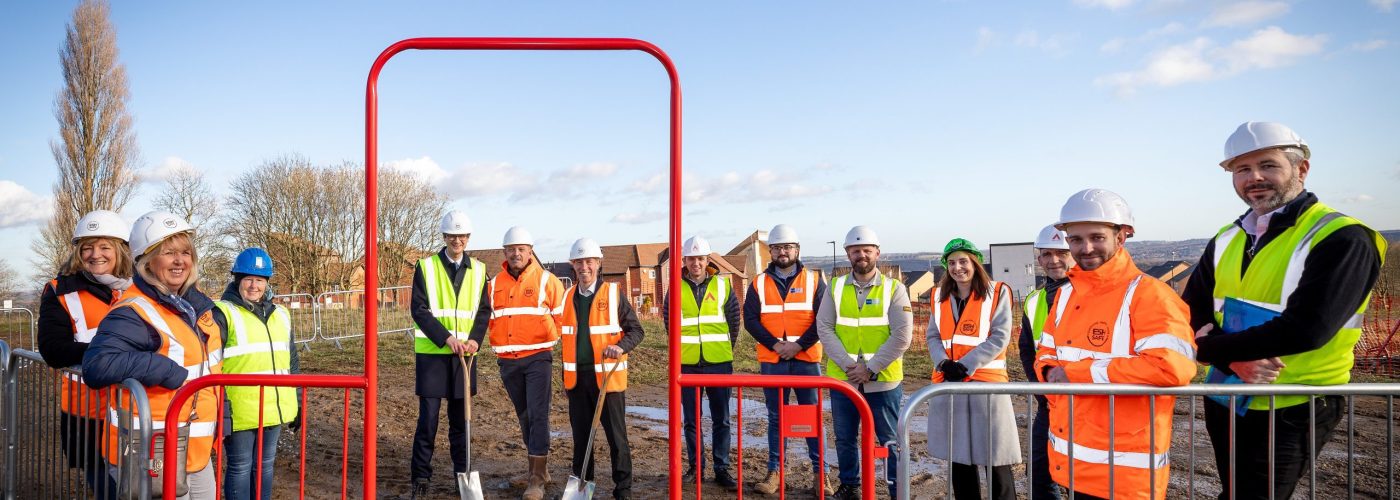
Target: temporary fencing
(338, 315)
(302, 309)
(1387, 391)
(17, 326)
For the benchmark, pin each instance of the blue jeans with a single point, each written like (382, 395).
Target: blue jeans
(240, 448)
(846, 420)
(719, 418)
(771, 399)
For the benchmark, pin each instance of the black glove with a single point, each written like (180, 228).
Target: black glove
(295, 424)
(953, 371)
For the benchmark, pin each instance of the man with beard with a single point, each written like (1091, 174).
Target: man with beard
(1053, 255)
(865, 322)
(1111, 324)
(779, 312)
(1278, 297)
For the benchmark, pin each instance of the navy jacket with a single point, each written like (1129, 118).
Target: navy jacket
(126, 346)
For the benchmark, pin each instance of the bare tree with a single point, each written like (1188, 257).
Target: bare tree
(187, 195)
(409, 211)
(9, 281)
(96, 153)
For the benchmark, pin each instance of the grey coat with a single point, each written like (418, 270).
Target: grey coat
(973, 421)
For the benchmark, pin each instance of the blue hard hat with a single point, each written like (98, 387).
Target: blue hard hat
(253, 261)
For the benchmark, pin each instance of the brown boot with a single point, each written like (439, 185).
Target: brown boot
(822, 489)
(769, 485)
(539, 472)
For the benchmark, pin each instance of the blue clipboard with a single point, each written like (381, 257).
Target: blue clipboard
(1237, 316)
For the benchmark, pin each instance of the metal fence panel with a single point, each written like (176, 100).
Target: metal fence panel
(17, 327)
(340, 315)
(302, 308)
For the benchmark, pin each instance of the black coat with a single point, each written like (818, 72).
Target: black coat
(440, 375)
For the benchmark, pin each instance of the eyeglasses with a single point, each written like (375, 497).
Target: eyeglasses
(788, 247)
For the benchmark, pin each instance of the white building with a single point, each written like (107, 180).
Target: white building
(1013, 264)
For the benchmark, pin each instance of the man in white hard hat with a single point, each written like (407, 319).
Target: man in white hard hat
(1278, 297)
(1111, 324)
(865, 322)
(780, 313)
(448, 305)
(709, 330)
(1053, 255)
(525, 300)
(599, 328)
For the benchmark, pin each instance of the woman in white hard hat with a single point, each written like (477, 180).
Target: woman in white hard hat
(257, 340)
(969, 330)
(162, 334)
(89, 281)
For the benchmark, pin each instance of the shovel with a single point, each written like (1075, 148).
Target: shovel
(577, 488)
(468, 483)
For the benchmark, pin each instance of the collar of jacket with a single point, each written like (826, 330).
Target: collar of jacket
(262, 308)
(466, 259)
(1118, 270)
(197, 299)
(505, 269)
(79, 281)
(1288, 216)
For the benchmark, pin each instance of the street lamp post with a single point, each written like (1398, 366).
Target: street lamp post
(833, 257)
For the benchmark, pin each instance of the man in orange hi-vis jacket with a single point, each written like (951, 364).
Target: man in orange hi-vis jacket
(1112, 324)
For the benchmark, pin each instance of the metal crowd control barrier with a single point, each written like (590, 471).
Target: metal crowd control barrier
(1389, 391)
(302, 307)
(336, 319)
(14, 322)
(51, 452)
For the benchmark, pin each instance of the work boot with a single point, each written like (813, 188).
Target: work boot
(821, 486)
(539, 468)
(723, 478)
(689, 476)
(769, 485)
(418, 490)
(848, 492)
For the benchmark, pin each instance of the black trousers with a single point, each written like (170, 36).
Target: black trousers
(82, 441)
(424, 436)
(967, 484)
(529, 386)
(583, 402)
(1291, 458)
(1043, 486)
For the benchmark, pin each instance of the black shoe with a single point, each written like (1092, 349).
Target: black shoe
(622, 495)
(689, 476)
(723, 478)
(848, 492)
(419, 490)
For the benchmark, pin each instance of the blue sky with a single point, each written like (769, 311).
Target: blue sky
(925, 120)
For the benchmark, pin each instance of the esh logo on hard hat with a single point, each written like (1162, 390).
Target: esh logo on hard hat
(170, 223)
(1098, 334)
(92, 226)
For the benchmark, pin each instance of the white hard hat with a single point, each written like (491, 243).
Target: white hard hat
(781, 234)
(861, 235)
(1096, 205)
(1050, 237)
(517, 235)
(154, 227)
(101, 223)
(456, 222)
(585, 248)
(695, 247)
(1254, 136)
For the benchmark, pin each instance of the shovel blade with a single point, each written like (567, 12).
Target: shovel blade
(469, 485)
(577, 489)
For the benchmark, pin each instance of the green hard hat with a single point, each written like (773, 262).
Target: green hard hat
(960, 245)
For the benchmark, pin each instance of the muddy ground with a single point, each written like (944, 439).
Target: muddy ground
(499, 453)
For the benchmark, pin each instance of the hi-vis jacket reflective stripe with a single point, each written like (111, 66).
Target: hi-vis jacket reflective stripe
(604, 329)
(703, 327)
(1115, 325)
(863, 330)
(1036, 307)
(456, 310)
(182, 345)
(1272, 277)
(970, 331)
(787, 318)
(85, 310)
(254, 347)
(523, 311)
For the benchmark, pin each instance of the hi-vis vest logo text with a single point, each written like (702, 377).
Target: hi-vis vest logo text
(967, 327)
(1098, 334)
(529, 292)
(795, 290)
(709, 296)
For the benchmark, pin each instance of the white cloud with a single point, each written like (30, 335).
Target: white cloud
(1358, 198)
(1107, 4)
(649, 185)
(166, 170)
(986, 38)
(491, 179)
(1383, 5)
(424, 168)
(584, 172)
(639, 217)
(763, 185)
(1246, 13)
(1050, 44)
(22, 206)
(1116, 45)
(1201, 60)
(1369, 45)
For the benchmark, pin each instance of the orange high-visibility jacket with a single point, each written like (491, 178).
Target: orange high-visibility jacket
(969, 331)
(179, 343)
(523, 311)
(85, 310)
(604, 329)
(1115, 325)
(787, 318)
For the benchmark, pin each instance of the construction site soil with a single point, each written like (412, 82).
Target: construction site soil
(500, 455)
